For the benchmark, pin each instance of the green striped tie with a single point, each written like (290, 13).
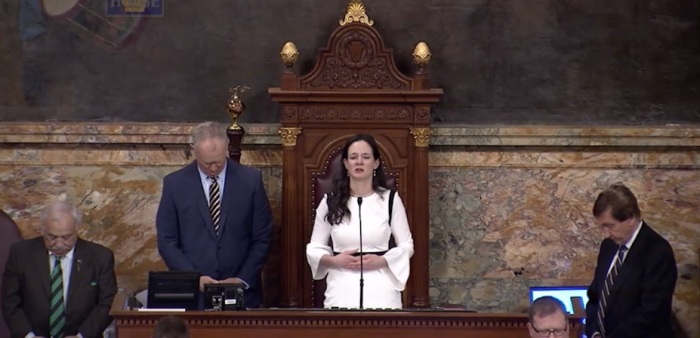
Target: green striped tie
(57, 318)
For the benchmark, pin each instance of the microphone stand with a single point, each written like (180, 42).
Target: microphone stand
(362, 278)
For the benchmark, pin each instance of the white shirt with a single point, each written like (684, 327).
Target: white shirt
(628, 245)
(206, 182)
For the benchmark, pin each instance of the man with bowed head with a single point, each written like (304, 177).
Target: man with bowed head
(214, 216)
(632, 289)
(58, 285)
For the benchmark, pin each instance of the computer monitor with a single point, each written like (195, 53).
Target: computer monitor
(563, 293)
(173, 290)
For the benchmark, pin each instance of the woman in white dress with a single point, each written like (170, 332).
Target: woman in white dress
(361, 190)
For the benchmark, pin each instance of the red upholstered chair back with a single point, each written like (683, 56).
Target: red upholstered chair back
(322, 183)
(9, 233)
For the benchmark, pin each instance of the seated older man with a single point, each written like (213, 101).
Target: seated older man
(58, 285)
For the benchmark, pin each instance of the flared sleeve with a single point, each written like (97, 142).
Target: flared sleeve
(320, 238)
(398, 258)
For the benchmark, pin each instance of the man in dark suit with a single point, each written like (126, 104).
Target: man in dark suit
(58, 285)
(632, 290)
(214, 216)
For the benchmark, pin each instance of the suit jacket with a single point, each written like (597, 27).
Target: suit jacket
(639, 304)
(186, 238)
(9, 234)
(91, 289)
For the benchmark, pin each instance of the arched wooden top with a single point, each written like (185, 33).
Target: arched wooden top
(355, 59)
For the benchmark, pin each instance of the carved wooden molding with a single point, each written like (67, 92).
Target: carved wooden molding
(333, 320)
(341, 113)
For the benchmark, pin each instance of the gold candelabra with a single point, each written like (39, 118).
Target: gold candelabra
(235, 106)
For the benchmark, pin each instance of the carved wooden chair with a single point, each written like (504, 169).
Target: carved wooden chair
(354, 86)
(321, 184)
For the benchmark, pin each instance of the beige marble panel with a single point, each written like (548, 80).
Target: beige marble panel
(496, 231)
(442, 135)
(563, 158)
(119, 206)
(79, 155)
(510, 206)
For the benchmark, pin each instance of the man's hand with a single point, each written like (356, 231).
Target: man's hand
(232, 280)
(373, 262)
(206, 280)
(346, 260)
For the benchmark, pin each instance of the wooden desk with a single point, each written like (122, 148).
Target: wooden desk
(335, 324)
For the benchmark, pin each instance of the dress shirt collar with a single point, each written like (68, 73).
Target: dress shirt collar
(68, 256)
(221, 176)
(634, 235)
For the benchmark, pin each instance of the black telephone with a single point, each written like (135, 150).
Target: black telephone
(224, 297)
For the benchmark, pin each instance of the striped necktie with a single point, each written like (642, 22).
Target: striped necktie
(609, 281)
(215, 203)
(57, 315)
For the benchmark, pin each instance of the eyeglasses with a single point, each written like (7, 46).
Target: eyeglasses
(548, 332)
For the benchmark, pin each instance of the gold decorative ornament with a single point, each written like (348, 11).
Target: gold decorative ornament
(289, 136)
(235, 106)
(421, 55)
(289, 54)
(356, 13)
(422, 136)
(134, 6)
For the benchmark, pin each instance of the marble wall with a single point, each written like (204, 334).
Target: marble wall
(510, 206)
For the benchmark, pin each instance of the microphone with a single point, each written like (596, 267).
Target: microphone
(362, 278)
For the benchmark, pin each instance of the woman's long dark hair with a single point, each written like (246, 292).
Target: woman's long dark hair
(338, 198)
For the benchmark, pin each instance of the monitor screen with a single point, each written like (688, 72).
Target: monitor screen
(563, 293)
(173, 290)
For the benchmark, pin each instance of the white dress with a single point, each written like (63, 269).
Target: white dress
(382, 287)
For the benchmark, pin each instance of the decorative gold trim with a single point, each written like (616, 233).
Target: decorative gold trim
(356, 13)
(289, 54)
(134, 6)
(289, 136)
(422, 136)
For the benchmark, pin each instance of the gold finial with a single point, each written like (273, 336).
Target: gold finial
(289, 54)
(356, 13)
(235, 106)
(421, 55)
